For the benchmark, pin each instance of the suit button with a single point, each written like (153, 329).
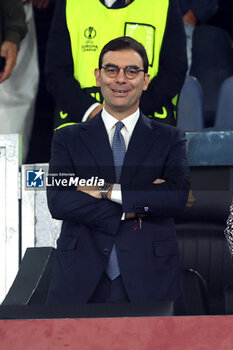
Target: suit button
(106, 251)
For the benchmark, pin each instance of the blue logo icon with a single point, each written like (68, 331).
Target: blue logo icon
(35, 178)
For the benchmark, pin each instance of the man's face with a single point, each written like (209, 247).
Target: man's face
(120, 93)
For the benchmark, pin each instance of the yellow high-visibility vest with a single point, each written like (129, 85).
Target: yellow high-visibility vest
(91, 25)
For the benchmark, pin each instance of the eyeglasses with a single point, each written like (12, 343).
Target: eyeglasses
(130, 71)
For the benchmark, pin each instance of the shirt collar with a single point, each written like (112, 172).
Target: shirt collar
(129, 122)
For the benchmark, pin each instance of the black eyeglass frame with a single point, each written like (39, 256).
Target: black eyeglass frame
(137, 69)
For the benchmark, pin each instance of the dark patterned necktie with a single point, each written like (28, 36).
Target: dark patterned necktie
(118, 150)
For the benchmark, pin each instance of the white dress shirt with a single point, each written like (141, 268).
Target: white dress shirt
(127, 130)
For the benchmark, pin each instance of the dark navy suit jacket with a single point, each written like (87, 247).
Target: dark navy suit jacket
(148, 256)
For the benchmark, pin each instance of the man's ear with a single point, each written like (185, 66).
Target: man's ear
(146, 81)
(97, 76)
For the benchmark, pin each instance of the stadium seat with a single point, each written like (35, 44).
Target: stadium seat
(195, 293)
(200, 231)
(31, 284)
(224, 113)
(212, 64)
(190, 106)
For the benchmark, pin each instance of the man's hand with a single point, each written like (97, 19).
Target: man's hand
(91, 190)
(190, 18)
(8, 50)
(129, 216)
(158, 181)
(94, 192)
(95, 111)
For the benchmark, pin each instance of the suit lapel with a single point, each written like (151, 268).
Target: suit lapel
(95, 137)
(144, 136)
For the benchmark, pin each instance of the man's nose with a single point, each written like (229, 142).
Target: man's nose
(121, 78)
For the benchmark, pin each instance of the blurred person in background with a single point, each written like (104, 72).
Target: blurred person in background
(195, 12)
(18, 94)
(13, 28)
(79, 30)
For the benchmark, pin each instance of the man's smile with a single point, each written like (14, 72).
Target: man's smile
(120, 92)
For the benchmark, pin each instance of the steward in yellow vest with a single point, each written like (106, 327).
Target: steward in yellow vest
(80, 29)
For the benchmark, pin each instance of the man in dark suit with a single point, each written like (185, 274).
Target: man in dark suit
(118, 242)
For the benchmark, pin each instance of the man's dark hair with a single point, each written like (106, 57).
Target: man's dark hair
(125, 43)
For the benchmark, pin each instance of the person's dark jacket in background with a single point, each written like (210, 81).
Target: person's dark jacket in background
(202, 9)
(12, 21)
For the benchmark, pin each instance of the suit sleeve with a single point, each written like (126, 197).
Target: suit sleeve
(72, 205)
(172, 65)
(60, 71)
(166, 199)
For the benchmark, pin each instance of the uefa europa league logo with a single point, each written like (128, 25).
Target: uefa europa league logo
(90, 33)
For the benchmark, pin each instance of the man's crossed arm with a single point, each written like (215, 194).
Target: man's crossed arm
(94, 192)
